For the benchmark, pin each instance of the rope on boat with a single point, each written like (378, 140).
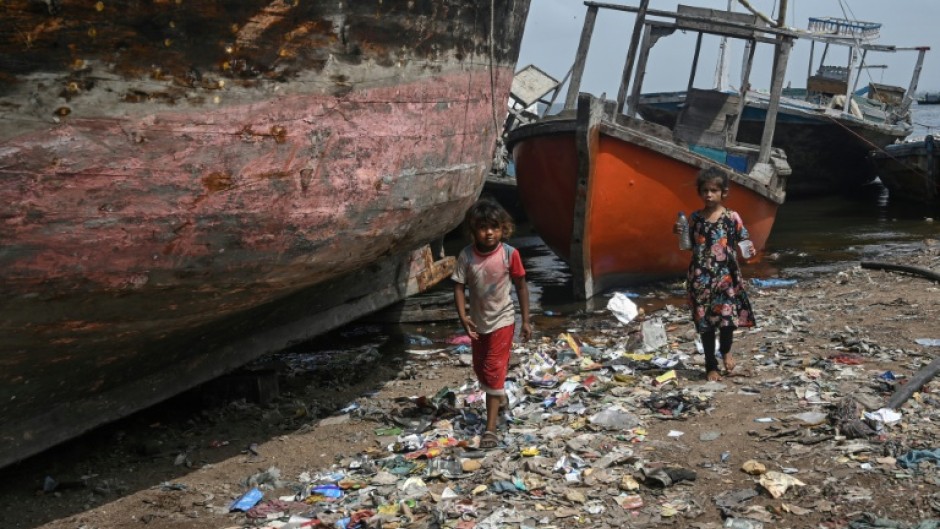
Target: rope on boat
(916, 270)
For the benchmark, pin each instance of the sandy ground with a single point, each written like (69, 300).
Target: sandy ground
(180, 465)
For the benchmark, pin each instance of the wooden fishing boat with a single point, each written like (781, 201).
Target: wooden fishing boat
(185, 186)
(603, 188)
(929, 98)
(910, 170)
(826, 139)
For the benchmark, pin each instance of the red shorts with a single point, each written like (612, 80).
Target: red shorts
(491, 359)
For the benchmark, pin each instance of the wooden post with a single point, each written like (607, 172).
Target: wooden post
(648, 40)
(809, 65)
(861, 68)
(745, 85)
(781, 56)
(631, 54)
(848, 77)
(587, 137)
(773, 106)
(698, 50)
(915, 383)
(905, 105)
(581, 58)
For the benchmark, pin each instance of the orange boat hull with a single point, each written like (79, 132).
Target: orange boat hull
(634, 195)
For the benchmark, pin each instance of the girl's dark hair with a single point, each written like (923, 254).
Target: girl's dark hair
(712, 174)
(487, 212)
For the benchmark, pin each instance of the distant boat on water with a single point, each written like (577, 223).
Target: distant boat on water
(828, 128)
(186, 186)
(929, 98)
(602, 187)
(910, 170)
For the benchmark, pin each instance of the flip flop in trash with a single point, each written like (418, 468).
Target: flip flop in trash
(488, 441)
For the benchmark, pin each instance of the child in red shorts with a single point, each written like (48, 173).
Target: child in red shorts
(488, 268)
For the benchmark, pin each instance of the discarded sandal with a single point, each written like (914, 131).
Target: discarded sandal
(489, 440)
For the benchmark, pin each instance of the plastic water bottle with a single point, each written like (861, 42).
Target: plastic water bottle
(685, 240)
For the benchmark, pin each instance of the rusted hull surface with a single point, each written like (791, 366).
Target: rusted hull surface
(636, 194)
(168, 168)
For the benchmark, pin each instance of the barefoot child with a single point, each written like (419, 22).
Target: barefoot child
(489, 268)
(715, 284)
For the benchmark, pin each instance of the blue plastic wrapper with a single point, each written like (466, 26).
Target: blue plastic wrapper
(247, 501)
(329, 491)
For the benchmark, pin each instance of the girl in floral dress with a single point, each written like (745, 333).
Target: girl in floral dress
(715, 284)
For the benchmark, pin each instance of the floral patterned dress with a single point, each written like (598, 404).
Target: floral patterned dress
(716, 287)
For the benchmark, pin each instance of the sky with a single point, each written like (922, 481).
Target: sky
(553, 29)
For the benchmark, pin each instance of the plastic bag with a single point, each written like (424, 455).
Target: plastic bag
(622, 307)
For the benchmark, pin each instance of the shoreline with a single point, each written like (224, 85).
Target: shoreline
(164, 471)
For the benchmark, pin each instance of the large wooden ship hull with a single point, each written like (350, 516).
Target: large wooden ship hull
(605, 197)
(185, 186)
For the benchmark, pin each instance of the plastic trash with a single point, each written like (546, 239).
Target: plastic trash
(246, 501)
(685, 238)
(457, 339)
(622, 307)
(615, 418)
(884, 415)
(772, 283)
(414, 339)
(742, 523)
(926, 342)
(654, 335)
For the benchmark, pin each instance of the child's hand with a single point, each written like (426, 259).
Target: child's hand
(471, 329)
(526, 331)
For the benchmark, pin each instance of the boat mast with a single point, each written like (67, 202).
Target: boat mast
(905, 105)
(780, 69)
(631, 54)
(581, 58)
(721, 70)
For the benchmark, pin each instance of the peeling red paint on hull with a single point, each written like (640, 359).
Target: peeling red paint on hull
(169, 242)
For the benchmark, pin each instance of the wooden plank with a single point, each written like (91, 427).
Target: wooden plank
(776, 88)
(581, 58)
(718, 16)
(631, 54)
(587, 137)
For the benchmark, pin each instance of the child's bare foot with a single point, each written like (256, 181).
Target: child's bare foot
(729, 362)
(713, 376)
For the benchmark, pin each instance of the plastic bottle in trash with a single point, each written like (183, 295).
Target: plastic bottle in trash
(685, 240)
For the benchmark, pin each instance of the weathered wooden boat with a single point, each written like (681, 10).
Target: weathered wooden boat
(910, 170)
(826, 139)
(185, 186)
(602, 187)
(929, 98)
